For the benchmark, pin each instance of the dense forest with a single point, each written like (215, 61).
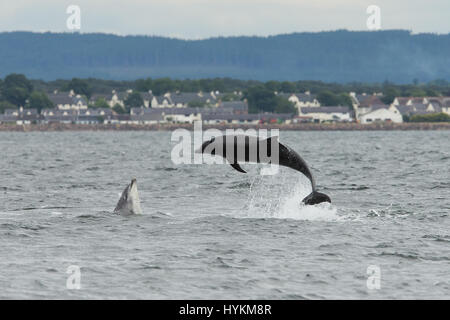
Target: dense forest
(338, 56)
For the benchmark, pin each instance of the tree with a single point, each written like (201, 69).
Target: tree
(39, 100)
(284, 106)
(133, 100)
(230, 97)
(6, 105)
(434, 117)
(345, 100)
(143, 85)
(162, 86)
(119, 109)
(260, 99)
(79, 86)
(273, 85)
(328, 98)
(196, 104)
(389, 94)
(415, 92)
(100, 103)
(16, 89)
(287, 87)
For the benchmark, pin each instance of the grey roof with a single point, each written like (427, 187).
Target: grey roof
(9, 112)
(301, 96)
(120, 117)
(235, 105)
(147, 117)
(404, 109)
(64, 98)
(186, 97)
(274, 116)
(24, 111)
(57, 112)
(60, 118)
(374, 107)
(367, 100)
(231, 116)
(147, 96)
(437, 106)
(96, 112)
(89, 118)
(185, 111)
(417, 108)
(60, 98)
(8, 118)
(248, 117)
(142, 110)
(211, 111)
(160, 99)
(419, 105)
(331, 109)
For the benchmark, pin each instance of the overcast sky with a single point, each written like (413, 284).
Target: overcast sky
(194, 19)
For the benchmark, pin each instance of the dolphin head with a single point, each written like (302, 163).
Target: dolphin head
(205, 145)
(129, 203)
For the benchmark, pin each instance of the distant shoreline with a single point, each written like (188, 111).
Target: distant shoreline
(55, 127)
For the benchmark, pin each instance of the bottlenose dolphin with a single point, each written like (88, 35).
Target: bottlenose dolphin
(129, 202)
(243, 148)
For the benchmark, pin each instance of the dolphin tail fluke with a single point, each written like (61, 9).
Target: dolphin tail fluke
(315, 198)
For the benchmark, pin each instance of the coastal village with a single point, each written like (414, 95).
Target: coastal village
(179, 107)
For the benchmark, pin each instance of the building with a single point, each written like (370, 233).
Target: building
(381, 113)
(422, 105)
(327, 114)
(236, 107)
(362, 103)
(169, 114)
(20, 116)
(184, 100)
(147, 118)
(68, 101)
(301, 100)
(231, 118)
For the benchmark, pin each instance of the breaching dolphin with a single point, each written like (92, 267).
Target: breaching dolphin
(129, 202)
(244, 148)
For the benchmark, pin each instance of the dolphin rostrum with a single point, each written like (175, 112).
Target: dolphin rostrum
(129, 202)
(244, 148)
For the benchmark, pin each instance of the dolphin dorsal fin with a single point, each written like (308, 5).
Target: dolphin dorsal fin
(237, 167)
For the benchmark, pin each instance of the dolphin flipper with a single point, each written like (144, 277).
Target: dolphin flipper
(237, 167)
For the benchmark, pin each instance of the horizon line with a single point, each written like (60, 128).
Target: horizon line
(217, 36)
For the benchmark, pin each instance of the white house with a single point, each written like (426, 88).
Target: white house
(382, 113)
(300, 100)
(325, 114)
(65, 101)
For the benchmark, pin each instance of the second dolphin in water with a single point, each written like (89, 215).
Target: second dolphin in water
(243, 148)
(129, 203)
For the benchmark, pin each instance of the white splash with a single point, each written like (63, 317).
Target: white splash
(271, 198)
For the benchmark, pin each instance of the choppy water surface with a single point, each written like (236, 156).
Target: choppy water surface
(209, 231)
